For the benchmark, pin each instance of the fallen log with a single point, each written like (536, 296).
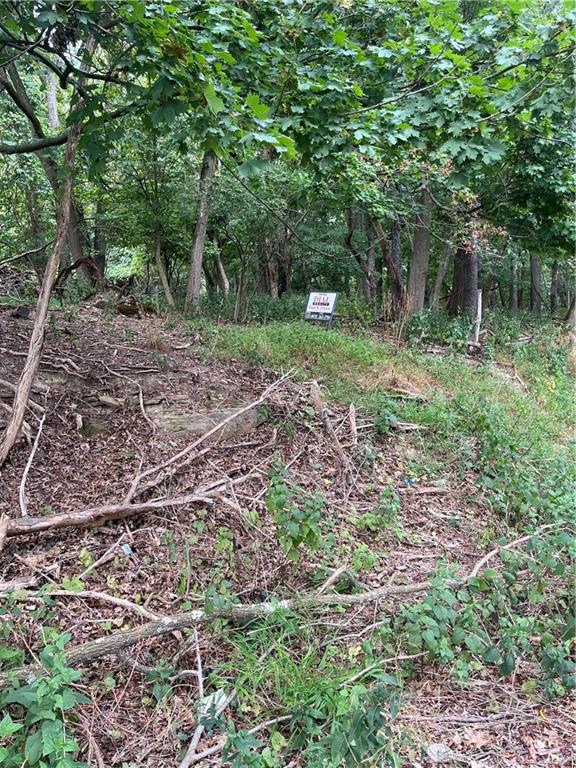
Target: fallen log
(111, 644)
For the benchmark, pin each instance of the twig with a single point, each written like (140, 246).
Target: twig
(220, 746)
(353, 429)
(481, 563)
(22, 494)
(320, 407)
(379, 664)
(140, 395)
(191, 757)
(31, 404)
(93, 747)
(191, 751)
(4, 520)
(21, 582)
(92, 595)
(101, 559)
(332, 579)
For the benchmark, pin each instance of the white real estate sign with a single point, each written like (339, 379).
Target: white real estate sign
(321, 306)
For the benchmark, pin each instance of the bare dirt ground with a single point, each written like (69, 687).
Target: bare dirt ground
(97, 436)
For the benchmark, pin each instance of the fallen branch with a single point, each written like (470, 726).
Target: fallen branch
(88, 594)
(222, 743)
(98, 515)
(320, 407)
(21, 582)
(496, 551)
(32, 405)
(25, 254)
(424, 490)
(22, 492)
(111, 644)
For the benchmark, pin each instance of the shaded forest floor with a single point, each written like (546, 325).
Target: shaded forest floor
(122, 394)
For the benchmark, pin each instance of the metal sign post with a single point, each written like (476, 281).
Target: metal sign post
(321, 307)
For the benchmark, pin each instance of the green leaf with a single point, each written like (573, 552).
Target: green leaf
(52, 735)
(214, 102)
(33, 748)
(73, 585)
(8, 726)
(340, 36)
(474, 643)
(255, 105)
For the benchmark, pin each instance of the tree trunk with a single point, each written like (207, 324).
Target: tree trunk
(37, 336)
(161, 268)
(192, 301)
(368, 284)
(271, 268)
(535, 285)
(554, 289)
(223, 282)
(441, 274)
(391, 257)
(99, 241)
(34, 215)
(464, 295)
(53, 118)
(240, 293)
(285, 263)
(420, 253)
(572, 319)
(513, 284)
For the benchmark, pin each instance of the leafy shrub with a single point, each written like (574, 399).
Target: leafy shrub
(33, 727)
(435, 326)
(296, 515)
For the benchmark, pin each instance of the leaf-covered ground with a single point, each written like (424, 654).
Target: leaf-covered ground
(408, 513)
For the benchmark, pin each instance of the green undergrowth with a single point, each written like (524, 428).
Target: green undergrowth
(477, 415)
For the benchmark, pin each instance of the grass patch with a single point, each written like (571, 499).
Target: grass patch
(518, 443)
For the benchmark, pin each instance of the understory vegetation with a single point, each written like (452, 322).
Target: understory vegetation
(287, 357)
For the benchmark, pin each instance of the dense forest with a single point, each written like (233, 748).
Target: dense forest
(230, 536)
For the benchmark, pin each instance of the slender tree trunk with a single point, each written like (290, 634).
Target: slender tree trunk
(99, 241)
(464, 295)
(51, 87)
(223, 281)
(240, 291)
(420, 253)
(391, 257)
(271, 268)
(535, 284)
(441, 274)
(285, 263)
(554, 289)
(37, 336)
(396, 269)
(368, 284)
(34, 215)
(192, 301)
(161, 268)
(572, 320)
(513, 283)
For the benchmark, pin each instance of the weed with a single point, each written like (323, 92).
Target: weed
(33, 728)
(297, 516)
